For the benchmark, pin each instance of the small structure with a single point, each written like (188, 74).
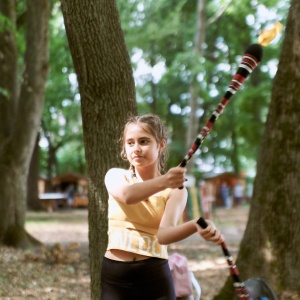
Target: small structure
(67, 190)
(77, 183)
(42, 183)
(215, 181)
(51, 201)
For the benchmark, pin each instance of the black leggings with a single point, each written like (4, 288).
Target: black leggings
(148, 279)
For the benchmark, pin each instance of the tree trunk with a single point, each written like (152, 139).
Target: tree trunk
(270, 247)
(193, 89)
(107, 92)
(19, 130)
(33, 202)
(235, 147)
(52, 167)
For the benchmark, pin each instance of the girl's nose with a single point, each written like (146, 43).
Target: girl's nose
(137, 148)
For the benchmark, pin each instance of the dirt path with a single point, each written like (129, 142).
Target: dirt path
(63, 272)
(72, 226)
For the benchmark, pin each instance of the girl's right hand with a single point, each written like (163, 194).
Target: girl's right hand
(175, 177)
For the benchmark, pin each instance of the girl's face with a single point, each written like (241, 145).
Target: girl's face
(141, 147)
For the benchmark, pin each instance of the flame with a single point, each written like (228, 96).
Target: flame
(267, 36)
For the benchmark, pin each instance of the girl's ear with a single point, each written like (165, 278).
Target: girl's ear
(162, 145)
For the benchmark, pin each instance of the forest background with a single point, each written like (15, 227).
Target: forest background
(160, 38)
(191, 52)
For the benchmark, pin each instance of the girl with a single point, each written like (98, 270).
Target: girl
(145, 205)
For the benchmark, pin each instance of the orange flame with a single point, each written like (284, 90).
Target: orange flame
(267, 36)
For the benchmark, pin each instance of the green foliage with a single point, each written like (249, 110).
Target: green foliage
(163, 32)
(4, 92)
(160, 35)
(6, 24)
(72, 157)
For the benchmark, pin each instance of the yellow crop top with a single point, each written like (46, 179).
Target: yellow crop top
(133, 228)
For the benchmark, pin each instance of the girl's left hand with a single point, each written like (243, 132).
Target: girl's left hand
(210, 233)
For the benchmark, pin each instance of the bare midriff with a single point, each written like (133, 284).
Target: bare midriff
(120, 255)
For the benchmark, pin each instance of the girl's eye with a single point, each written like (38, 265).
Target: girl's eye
(143, 142)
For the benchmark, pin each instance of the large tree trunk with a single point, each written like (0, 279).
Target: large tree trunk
(270, 247)
(20, 116)
(107, 94)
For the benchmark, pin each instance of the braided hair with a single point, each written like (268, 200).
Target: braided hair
(153, 125)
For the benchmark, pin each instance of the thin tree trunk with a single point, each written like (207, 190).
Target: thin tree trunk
(235, 147)
(33, 202)
(193, 89)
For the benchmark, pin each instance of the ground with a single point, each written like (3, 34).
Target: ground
(61, 269)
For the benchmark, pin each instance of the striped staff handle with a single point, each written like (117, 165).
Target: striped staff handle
(250, 61)
(238, 284)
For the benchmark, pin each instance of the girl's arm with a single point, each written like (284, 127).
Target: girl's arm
(123, 191)
(169, 232)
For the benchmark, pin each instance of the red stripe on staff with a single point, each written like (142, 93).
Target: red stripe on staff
(224, 101)
(251, 59)
(239, 78)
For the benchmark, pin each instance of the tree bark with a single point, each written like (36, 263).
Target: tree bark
(270, 247)
(193, 90)
(21, 115)
(33, 202)
(107, 92)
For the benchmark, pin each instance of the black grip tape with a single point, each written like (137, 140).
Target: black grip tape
(202, 223)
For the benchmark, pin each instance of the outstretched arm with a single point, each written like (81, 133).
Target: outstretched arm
(169, 232)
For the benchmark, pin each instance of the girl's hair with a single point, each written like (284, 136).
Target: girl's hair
(154, 125)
